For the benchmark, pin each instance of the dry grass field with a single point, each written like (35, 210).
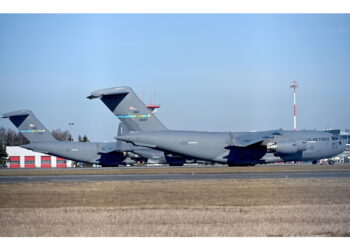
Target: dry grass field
(288, 207)
(293, 220)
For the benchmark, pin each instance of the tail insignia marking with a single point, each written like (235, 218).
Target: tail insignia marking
(133, 116)
(33, 131)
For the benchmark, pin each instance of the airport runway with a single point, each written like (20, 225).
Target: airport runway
(160, 177)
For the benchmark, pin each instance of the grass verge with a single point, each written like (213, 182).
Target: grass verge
(174, 170)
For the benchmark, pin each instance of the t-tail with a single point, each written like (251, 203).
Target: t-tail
(128, 107)
(29, 126)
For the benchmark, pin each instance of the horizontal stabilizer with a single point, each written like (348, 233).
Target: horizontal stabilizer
(17, 113)
(128, 108)
(109, 91)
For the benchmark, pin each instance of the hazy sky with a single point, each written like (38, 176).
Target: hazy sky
(208, 72)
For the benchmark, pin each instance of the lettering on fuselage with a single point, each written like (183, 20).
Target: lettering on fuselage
(189, 142)
(132, 116)
(318, 139)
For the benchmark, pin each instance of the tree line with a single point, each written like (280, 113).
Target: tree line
(9, 137)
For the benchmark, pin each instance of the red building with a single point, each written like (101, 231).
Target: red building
(24, 158)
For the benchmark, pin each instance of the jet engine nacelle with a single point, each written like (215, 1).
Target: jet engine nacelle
(286, 147)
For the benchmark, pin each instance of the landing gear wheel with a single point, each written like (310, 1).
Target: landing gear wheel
(330, 162)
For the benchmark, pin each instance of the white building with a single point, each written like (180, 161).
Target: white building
(24, 158)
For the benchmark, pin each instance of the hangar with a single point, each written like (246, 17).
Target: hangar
(23, 158)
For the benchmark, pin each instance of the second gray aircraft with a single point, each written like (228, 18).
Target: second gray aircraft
(232, 148)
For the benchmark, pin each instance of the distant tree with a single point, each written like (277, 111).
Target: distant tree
(11, 138)
(61, 135)
(85, 139)
(2, 136)
(3, 153)
(21, 139)
(15, 138)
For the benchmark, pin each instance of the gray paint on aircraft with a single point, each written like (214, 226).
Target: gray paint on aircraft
(236, 148)
(135, 116)
(103, 153)
(126, 105)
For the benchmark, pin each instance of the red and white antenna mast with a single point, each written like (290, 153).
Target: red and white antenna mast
(153, 107)
(293, 85)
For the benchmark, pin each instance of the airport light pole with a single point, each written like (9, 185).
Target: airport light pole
(71, 130)
(293, 85)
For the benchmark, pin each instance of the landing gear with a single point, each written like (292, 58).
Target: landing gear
(314, 162)
(330, 162)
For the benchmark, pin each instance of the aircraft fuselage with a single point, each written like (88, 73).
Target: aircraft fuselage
(87, 152)
(237, 148)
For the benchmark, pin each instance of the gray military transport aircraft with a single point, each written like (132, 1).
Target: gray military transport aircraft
(135, 116)
(102, 153)
(232, 148)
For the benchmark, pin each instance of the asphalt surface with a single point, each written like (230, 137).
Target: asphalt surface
(140, 167)
(160, 177)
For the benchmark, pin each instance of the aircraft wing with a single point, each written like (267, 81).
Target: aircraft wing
(108, 147)
(249, 138)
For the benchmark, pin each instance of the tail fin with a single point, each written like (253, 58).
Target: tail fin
(131, 111)
(123, 130)
(29, 126)
(122, 145)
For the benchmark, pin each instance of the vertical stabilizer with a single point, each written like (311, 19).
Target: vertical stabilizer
(128, 107)
(29, 126)
(123, 146)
